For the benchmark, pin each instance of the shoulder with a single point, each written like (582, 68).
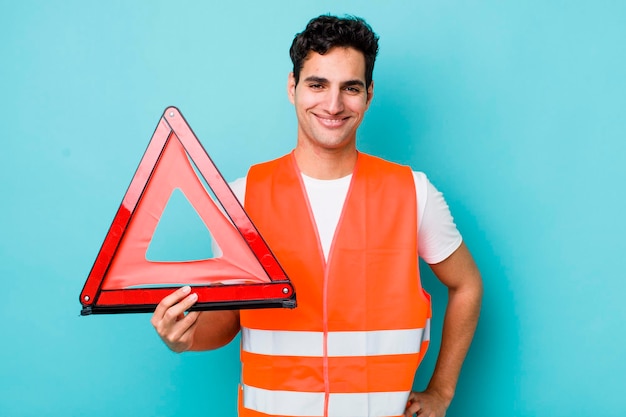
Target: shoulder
(377, 162)
(383, 172)
(422, 184)
(267, 167)
(260, 170)
(438, 235)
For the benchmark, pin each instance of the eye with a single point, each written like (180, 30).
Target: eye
(316, 86)
(353, 90)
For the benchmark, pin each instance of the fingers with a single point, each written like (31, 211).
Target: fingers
(188, 330)
(183, 327)
(425, 404)
(175, 327)
(170, 300)
(414, 405)
(176, 311)
(412, 409)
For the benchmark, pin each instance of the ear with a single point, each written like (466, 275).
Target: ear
(370, 94)
(291, 88)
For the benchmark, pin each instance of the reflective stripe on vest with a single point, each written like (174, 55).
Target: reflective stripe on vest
(301, 343)
(311, 404)
(352, 345)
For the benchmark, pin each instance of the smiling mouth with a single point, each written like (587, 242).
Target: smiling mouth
(331, 122)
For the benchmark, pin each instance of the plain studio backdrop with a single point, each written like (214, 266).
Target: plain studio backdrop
(515, 110)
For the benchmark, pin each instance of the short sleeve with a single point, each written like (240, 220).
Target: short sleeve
(438, 236)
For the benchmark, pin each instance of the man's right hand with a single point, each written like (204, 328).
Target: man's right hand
(176, 328)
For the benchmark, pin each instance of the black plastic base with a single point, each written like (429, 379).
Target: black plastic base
(226, 305)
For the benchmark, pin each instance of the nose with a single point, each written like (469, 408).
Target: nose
(334, 101)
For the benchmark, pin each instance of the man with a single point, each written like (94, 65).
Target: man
(343, 225)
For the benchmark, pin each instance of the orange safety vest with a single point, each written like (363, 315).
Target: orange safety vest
(352, 345)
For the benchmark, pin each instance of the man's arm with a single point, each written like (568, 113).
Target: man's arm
(459, 273)
(195, 330)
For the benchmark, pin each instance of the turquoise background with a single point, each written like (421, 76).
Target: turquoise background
(515, 110)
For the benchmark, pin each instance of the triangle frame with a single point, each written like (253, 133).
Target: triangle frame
(99, 296)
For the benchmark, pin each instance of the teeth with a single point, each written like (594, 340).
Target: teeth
(331, 122)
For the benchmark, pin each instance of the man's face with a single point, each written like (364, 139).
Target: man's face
(330, 99)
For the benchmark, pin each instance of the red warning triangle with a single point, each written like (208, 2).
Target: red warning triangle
(245, 275)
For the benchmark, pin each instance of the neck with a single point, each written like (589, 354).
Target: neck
(327, 165)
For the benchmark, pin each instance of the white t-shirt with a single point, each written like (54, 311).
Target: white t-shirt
(438, 236)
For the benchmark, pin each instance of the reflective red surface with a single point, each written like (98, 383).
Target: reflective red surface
(277, 293)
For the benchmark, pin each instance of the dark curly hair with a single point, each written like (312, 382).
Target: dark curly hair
(325, 32)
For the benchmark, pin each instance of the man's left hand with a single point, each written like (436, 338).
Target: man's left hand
(426, 404)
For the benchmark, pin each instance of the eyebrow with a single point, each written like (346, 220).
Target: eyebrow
(323, 80)
(320, 80)
(350, 83)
